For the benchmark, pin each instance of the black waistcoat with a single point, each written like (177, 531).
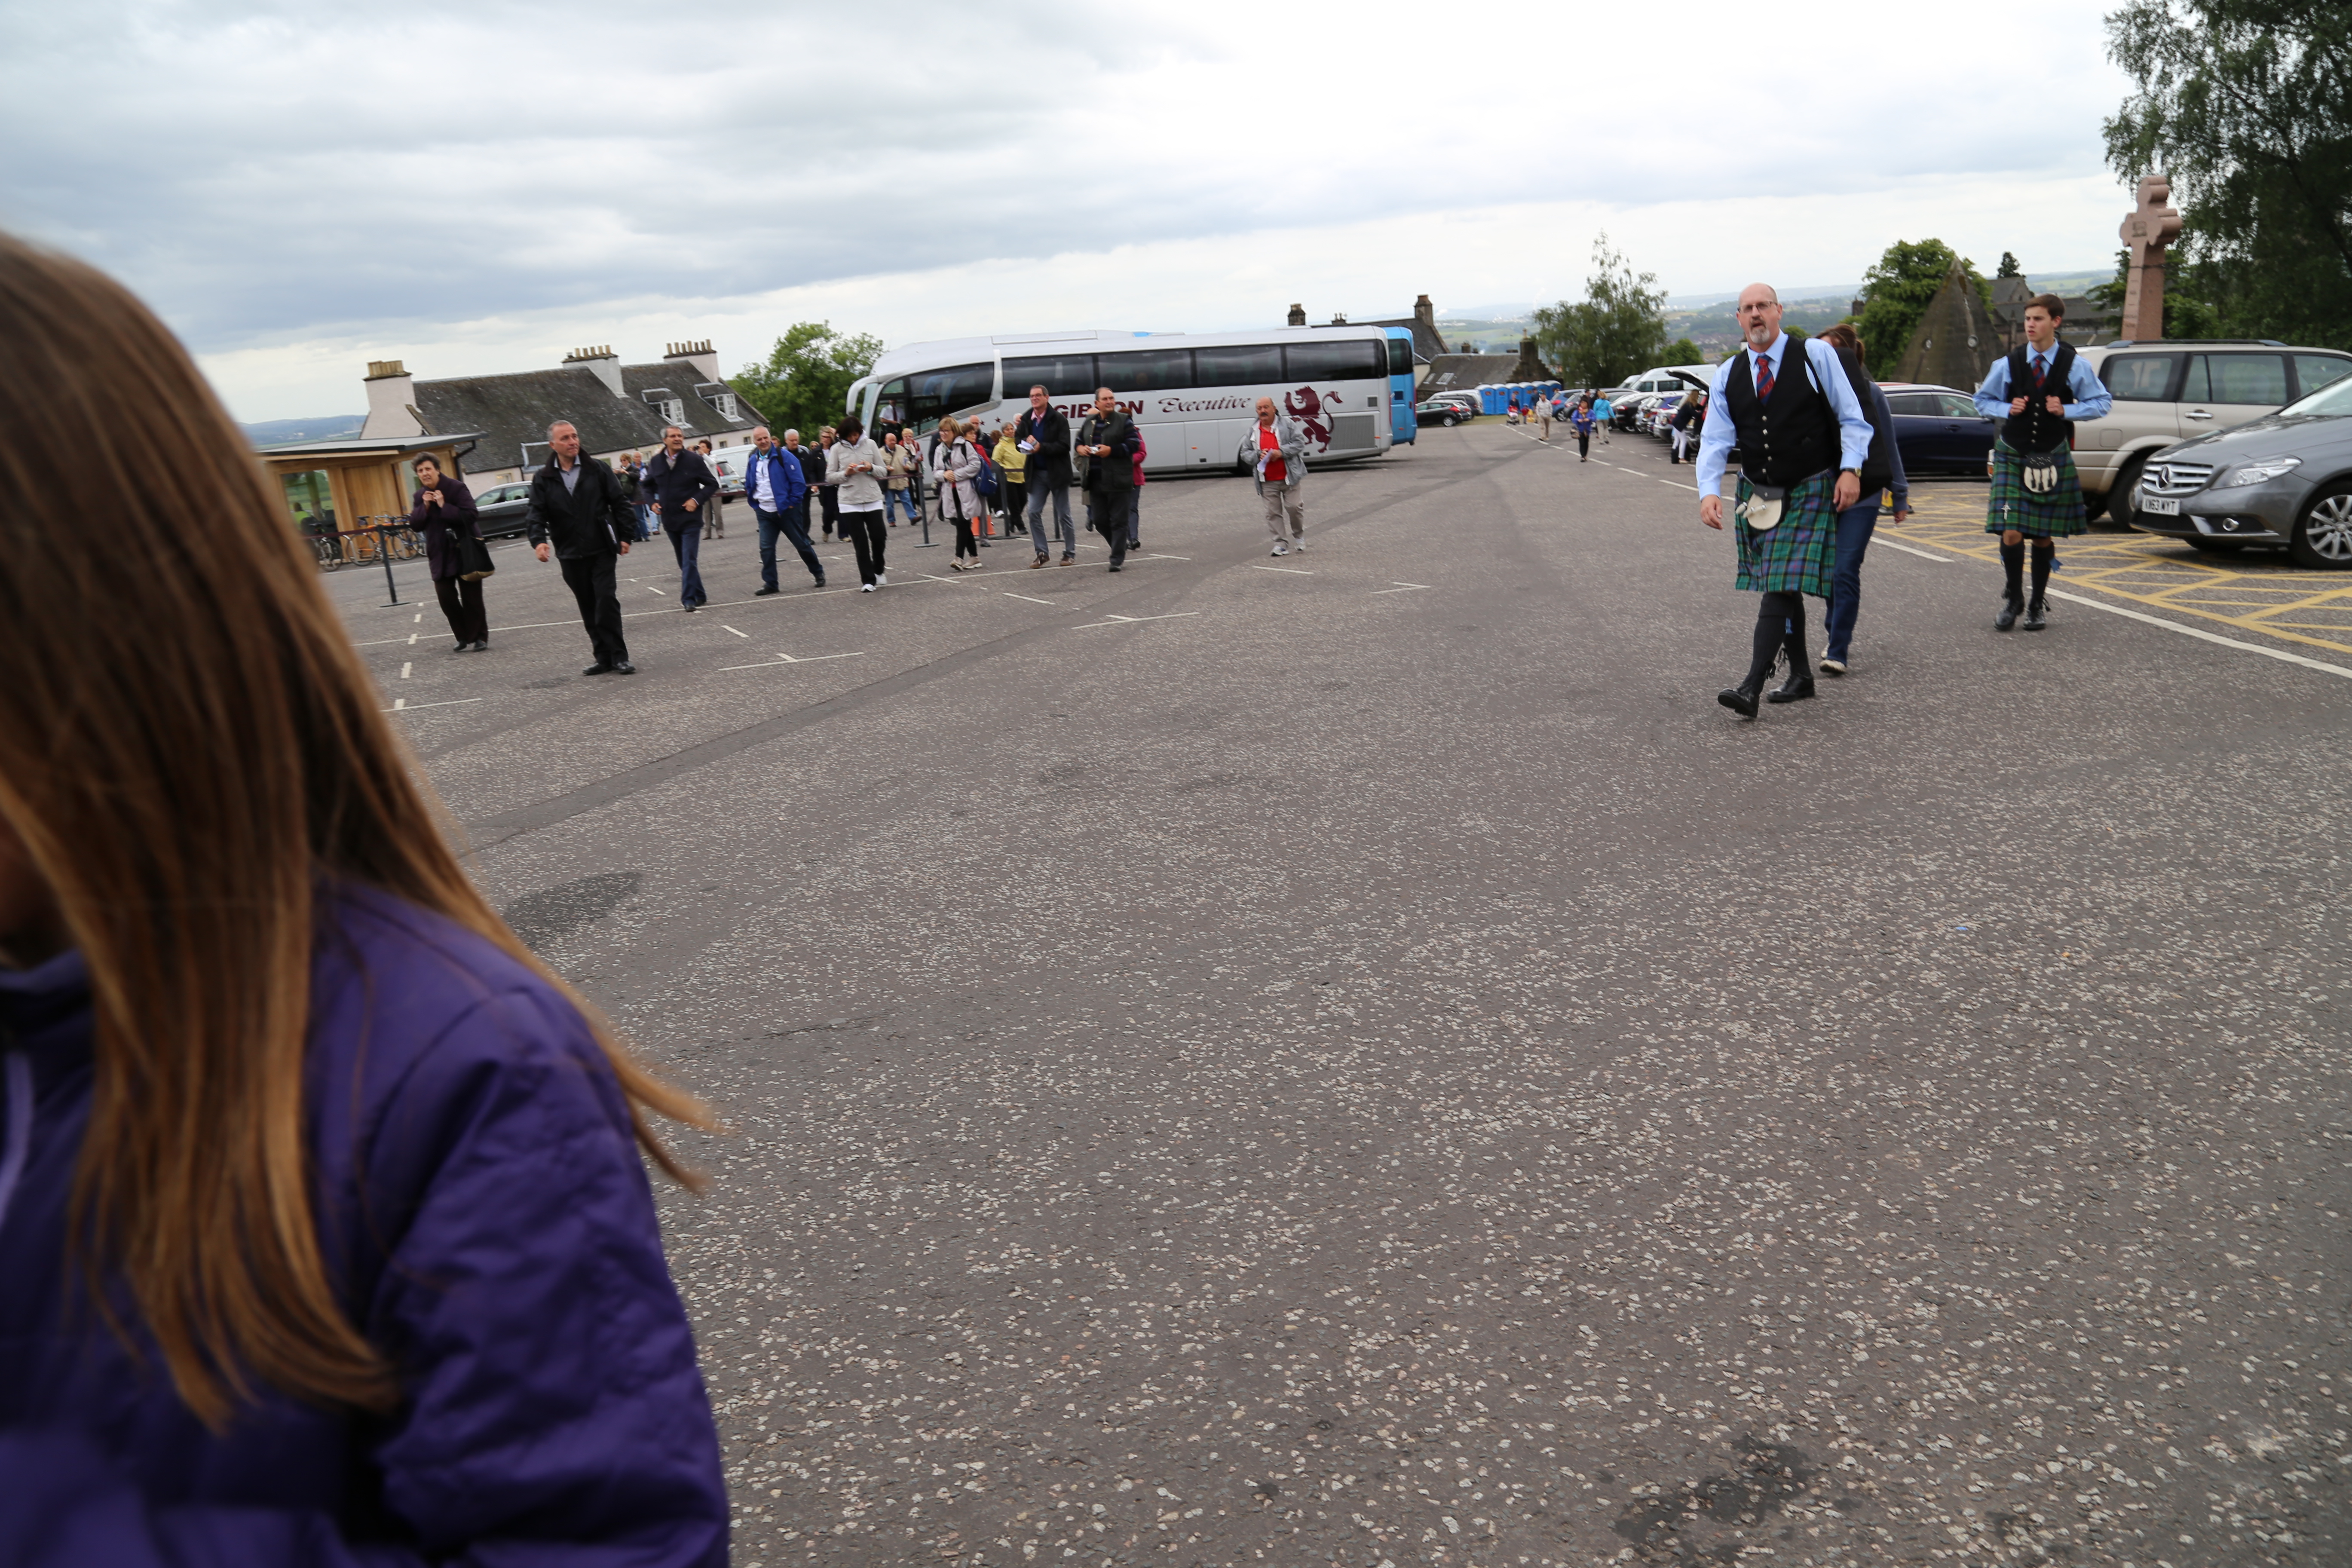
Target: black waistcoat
(2037, 429)
(1789, 437)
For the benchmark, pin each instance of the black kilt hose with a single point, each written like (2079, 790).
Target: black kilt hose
(2052, 516)
(1795, 556)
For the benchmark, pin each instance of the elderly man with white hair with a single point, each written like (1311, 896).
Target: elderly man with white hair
(1802, 436)
(1276, 451)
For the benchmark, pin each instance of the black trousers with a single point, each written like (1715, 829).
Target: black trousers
(1106, 515)
(462, 602)
(589, 578)
(864, 529)
(828, 503)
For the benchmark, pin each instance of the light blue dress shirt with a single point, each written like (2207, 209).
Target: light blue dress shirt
(2089, 399)
(1719, 434)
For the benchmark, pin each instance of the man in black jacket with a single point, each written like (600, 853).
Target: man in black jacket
(1044, 433)
(577, 503)
(680, 485)
(1106, 446)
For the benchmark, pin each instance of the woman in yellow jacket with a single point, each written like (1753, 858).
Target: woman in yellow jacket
(1012, 463)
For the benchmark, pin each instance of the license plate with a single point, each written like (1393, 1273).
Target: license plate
(2161, 506)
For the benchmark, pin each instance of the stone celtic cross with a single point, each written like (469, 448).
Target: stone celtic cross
(2152, 226)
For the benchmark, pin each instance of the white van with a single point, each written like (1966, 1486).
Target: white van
(1666, 378)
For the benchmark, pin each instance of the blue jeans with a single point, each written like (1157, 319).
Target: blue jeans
(909, 499)
(1854, 525)
(793, 523)
(645, 522)
(1135, 517)
(687, 541)
(1062, 529)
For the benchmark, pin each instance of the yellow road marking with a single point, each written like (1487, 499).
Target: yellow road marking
(2259, 593)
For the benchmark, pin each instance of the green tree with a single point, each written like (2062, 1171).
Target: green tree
(806, 377)
(2009, 267)
(1897, 289)
(2245, 102)
(1681, 350)
(1617, 328)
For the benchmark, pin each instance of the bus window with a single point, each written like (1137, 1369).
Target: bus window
(890, 407)
(1254, 364)
(1355, 359)
(1400, 356)
(1062, 376)
(1147, 370)
(939, 391)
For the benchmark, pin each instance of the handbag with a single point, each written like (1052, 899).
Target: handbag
(473, 562)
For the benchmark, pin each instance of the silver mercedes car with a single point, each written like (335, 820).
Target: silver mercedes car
(2284, 481)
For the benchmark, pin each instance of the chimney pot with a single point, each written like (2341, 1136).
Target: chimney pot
(379, 369)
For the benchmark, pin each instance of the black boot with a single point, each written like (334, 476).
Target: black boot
(2011, 603)
(2035, 616)
(1796, 689)
(1741, 698)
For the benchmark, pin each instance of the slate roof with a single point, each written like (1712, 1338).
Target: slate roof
(1460, 373)
(514, 411)
(1426, 344)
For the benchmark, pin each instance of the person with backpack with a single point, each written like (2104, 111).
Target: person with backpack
(988, 482)
(1882, 473)
(955, 464)
(1105, 447)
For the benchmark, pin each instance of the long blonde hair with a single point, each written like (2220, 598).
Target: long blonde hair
(182, 770)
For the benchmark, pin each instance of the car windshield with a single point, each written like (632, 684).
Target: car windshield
(2336, 398)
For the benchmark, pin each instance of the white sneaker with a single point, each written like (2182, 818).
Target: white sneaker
(865, 587)
(1299, 545)
(1280, 547)
(880, 581)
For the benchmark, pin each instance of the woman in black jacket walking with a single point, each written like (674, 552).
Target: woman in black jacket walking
(443, 510)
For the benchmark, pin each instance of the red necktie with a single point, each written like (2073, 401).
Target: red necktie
(1763, 378)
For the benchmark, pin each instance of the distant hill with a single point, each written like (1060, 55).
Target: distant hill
(319, 428)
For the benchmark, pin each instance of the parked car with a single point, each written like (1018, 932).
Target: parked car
(1937, 429)
(498, 511)
(2166, 392)
(2284, 481)
(728, 464)
(1443, 411)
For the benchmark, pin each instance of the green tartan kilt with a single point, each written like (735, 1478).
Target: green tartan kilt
(1797, 555)
(2011, 505)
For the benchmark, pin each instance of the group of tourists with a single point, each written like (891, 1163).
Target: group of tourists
(585, 515)
(1817, 452)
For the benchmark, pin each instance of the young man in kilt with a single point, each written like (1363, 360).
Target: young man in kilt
(2039, 391)
(1785, 401)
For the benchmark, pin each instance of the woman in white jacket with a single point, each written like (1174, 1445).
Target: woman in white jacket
(853, 467)
(955, 464)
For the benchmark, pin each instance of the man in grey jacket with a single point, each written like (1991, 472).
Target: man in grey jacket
(1276, 451)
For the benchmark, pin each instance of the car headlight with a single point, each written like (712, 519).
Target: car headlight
(2258, 472)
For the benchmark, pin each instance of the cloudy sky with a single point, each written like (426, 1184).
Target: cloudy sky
(300, 188)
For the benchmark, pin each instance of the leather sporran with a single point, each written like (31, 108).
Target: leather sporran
(1761, 510)
(2038, 472)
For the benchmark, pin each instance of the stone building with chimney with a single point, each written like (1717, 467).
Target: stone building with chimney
(617, 407)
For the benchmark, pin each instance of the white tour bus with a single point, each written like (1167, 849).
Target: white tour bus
(1194, 395)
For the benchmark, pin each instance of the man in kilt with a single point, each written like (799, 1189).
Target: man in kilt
(2039, 391)
(1802, 438)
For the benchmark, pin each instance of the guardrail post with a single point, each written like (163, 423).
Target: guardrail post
(383, 553)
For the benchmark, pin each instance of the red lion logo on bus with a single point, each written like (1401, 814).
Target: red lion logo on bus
(1306, 407)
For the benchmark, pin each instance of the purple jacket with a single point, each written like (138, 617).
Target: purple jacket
(482, 1202)
(457, 510)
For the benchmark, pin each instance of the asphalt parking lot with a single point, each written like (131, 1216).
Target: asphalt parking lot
(1357, 1059)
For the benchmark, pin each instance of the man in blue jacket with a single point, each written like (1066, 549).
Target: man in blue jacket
(777, 487)
(681, 485)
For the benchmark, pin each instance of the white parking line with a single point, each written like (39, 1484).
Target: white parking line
(783, 658)
(1131, 620)
(1909, 549)
(725, 627)
(1292, 570)
(1011, 594)
(404, 669)
(1402, 588)
(401, 705)
(2279, 654)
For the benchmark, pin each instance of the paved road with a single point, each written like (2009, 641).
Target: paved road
(1367, 1063)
